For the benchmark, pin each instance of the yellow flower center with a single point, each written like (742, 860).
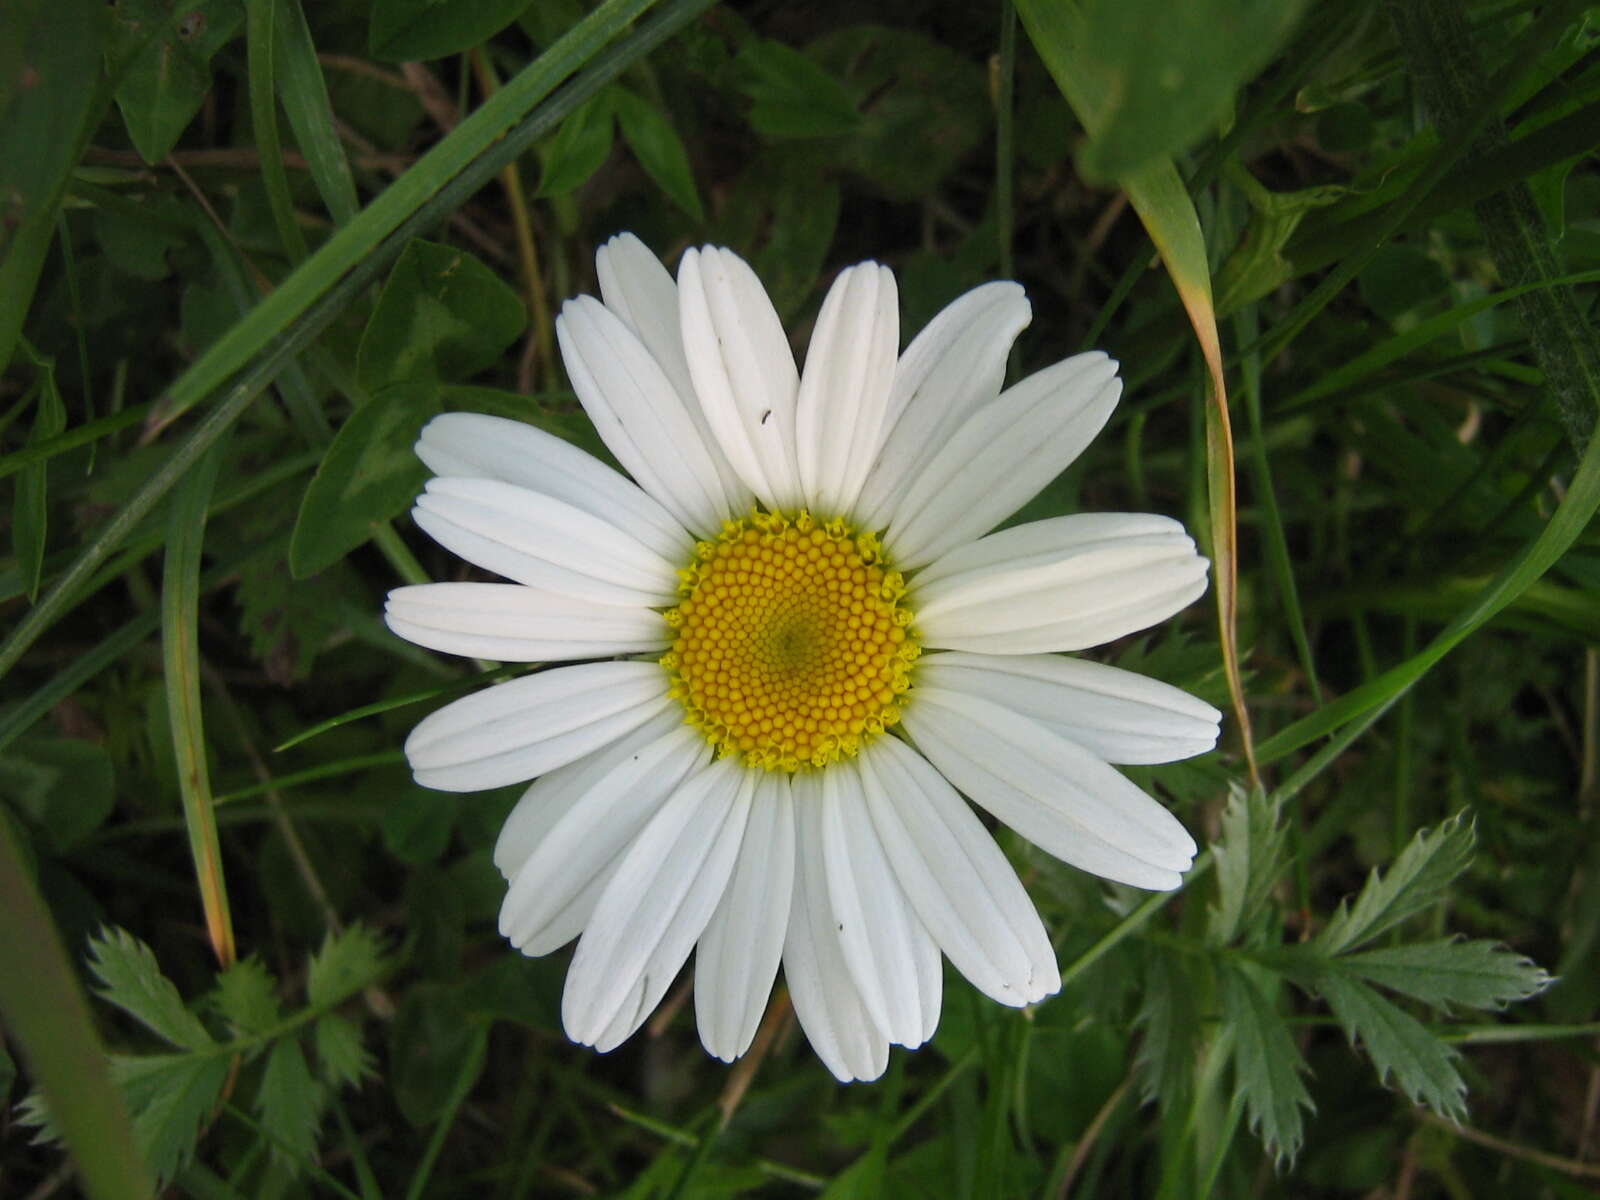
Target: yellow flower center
(792, 643)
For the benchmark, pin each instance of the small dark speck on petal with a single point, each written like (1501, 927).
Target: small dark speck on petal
(765, 415)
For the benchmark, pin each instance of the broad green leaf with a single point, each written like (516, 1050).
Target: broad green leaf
(342, 1060)
(417, 825)
(1267, 1064)
(63, 787)
(170, 73)
(1399, 1045)
(1249, 858)
(172, 1097)
(428, 1044)
(1158, 195)
(403, 30)
(579, 148)
(290, 1102)
(1167, 73)
(1424, 869)
(133, 981)
(369, 475)
(659, 149)
(48, 53)
(442, 315)
(347, 962)
(1448, 971)
(793, 96)
(924, 107)
(246, 996)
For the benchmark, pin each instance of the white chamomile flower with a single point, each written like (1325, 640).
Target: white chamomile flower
(814, 649)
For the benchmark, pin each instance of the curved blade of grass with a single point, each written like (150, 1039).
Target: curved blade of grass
(1386, 352)
(1162, 202)
(83, 435)
(18, 718)
(262, 41)
(45, 1010)
(394, 702)
(42, 134)
(304, 94)
(258, 347)
(180, 644)
(480, 139)
(1566, 525)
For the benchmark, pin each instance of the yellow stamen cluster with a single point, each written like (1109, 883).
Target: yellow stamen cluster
(792, 644)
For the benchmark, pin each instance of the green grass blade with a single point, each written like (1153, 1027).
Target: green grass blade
(48, 1015)
(180, 641)
(1567, 523)
(304, 94)
(262, 42)
(263, 345)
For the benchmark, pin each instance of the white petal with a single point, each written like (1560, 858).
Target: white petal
(1001, 456)
(1051, 791)
(640, 415)
(508, 622)
(1120, 716)
(544, 543)
(1061, 584)
(518, 730)
(737, 958)
(656, 906)
(635, 286)
(476, 446)
(952, 368)
(743, 371)
(555, 889)
(877, 930)
(825, 999)
(842, 409)
(551, 796)
(957, 880)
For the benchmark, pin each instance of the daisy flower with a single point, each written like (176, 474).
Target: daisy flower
(810, 648)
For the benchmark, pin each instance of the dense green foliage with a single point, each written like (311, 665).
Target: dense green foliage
(248, 247)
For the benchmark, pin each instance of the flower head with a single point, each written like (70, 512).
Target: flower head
(813, 649)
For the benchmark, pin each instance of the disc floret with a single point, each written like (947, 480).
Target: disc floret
(793, 644)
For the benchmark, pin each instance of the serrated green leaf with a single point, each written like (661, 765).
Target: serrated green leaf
(1171, 1028)
(579, 148)
(290, 1103)
(172, 1097)
(170, 74)
(794, 97)
(1424, 869)
(246, 996)
(342, 1060)
(369, 475)
(442, 315)
(659, 149)
(1249, 857)
(1475, 974)
(347, 962)
(33, 1111)
(1399, 1045)
(134, 983)
(1267, 1064)
(403, 30)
